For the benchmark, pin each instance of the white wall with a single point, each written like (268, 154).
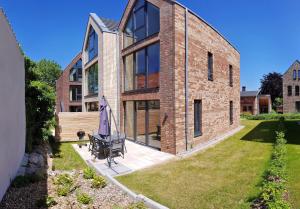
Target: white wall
(12, 105)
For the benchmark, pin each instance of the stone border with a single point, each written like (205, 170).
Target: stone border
(210, 143)
(137, 197)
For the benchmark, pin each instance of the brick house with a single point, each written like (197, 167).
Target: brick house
(291, 93)
(180, 78)
(255, 103)
(100, 55)
(68, 87)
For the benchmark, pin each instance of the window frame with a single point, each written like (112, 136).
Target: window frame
(198, 115)
(132, 17)
(135, 73)
(94, 67)
(289, 91)
(294, 75)
(230, 75)
(231, 121)
(92, 49)
(297, 91)
(78, 96)
(210, 66)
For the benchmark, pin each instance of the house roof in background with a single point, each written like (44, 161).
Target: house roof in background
(249, 93)
(105, 24)
(297, 61)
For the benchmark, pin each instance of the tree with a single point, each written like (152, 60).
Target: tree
(40, 99)
(48, 71)
(272, 84)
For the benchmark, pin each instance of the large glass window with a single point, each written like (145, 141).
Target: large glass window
(143, 21)
(76, 72)
(142, 122)
(142, 68)
(75, 93)
(197, 118)
(92, 79)
(92, 47)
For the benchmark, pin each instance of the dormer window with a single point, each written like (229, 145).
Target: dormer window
(92, 47)
(144, 21)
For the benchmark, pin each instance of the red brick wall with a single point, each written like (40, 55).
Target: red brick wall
(215, 95)
(63, 87)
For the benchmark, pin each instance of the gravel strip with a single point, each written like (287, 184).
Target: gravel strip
(110, 197)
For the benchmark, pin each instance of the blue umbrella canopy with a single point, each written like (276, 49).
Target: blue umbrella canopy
(104, 123)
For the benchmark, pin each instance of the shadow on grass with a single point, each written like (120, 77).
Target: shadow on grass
(265, 132)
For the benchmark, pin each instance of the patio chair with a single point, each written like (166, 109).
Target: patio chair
(92, 142)
(116, 149)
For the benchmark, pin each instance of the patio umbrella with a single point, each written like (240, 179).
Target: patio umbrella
(104, 123)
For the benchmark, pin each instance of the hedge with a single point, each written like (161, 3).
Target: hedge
(272, 116)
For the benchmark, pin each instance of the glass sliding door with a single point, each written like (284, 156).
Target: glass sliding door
(142, 122)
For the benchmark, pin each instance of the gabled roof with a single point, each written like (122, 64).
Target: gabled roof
(297, 61)
(106, 25)
(194, 13)
(249, 93)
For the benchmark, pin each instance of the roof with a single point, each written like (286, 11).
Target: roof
(194, 13)
(297, 61)
(249, 93)
(106, 25)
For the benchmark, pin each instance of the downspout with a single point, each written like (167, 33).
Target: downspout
(186, 81)
(118, 80)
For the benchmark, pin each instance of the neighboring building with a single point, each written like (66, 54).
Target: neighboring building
(255, 103)
(12, 103)
(291, 92)
(69, 88)
(100, 64)
(180, 77)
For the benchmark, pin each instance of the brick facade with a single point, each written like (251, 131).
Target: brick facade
(63, 89)
(215, 95)
(289, 102)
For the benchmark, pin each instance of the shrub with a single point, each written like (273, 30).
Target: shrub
(46, 202)
(139, 205)
(63, 190)
(98, 182)
(274, 189)
(84, 198)
(272, 116)
(64, 179)
(88, 173)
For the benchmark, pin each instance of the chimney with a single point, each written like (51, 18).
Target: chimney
(244, 88)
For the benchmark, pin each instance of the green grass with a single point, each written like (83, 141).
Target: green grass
(293, 163)
(66, 158)
(225, 176)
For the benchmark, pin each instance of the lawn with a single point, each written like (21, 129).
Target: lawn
(65, 157)
(293, 166)
(225, 176)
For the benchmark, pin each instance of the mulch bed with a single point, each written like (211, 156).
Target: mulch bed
(27, 197)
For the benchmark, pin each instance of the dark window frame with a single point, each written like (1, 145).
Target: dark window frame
(295, 75)
(132, 17)
(298, 74)
(290, 91)
(231, 112)
(230, 76)
(95, 78)
(198, 118)
(135, 73)
(78, 74)
(297, 106)
(297, 91)
(210, 66)
(78, 96)
(92, 50)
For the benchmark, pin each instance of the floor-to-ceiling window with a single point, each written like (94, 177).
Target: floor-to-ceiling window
(142, 122)
(92, 80)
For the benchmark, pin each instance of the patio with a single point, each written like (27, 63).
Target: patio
(136, 158)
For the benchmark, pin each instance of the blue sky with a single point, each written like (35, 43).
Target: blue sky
(266, 33)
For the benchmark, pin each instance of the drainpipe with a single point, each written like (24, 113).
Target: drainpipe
(186, 80)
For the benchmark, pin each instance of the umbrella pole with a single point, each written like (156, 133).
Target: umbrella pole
(110, 143)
